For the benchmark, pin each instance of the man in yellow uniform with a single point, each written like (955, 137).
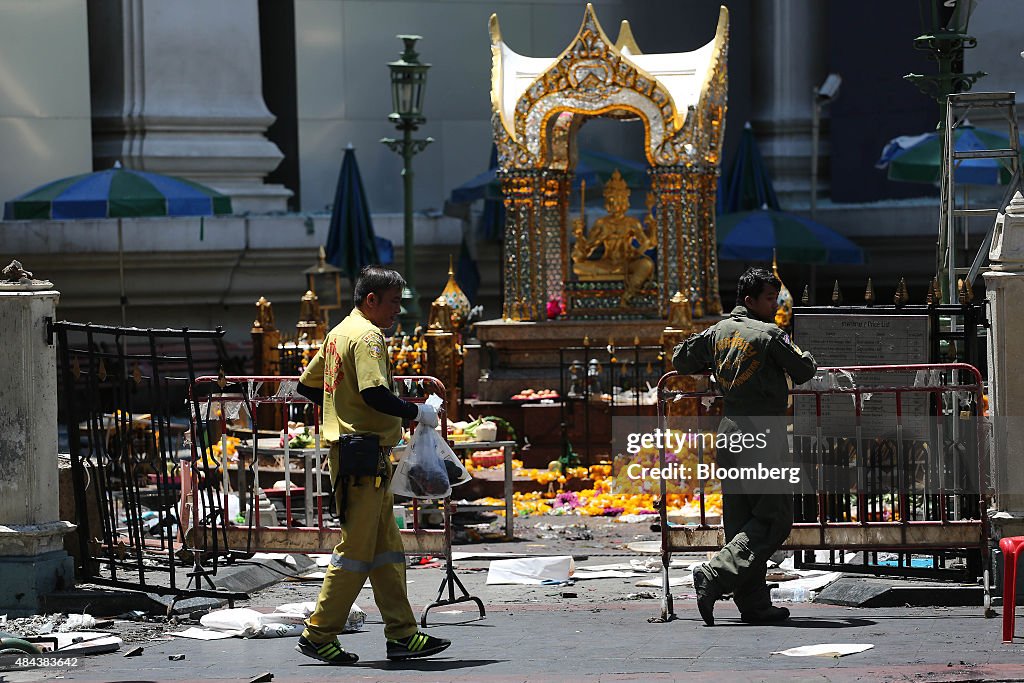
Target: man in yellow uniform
(351, 377)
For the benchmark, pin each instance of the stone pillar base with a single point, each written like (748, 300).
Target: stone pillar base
(33, 563)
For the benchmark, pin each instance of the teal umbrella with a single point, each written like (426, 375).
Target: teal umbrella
(117, 193)
(756, 235)
(918, 159)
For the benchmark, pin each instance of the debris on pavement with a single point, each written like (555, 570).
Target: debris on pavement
(285, 621)
(175, 658)
(642, 595)
(135, 652)
(77, 622)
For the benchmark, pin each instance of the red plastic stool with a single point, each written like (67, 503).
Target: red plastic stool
(1011, 548)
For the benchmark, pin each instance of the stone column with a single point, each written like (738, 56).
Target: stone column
(32, 557)
(790, 59)
(1004, 285)
(177, 89)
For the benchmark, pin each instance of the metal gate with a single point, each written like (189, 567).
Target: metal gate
(123, 400)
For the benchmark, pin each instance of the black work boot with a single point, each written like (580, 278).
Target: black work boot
(706, 592)
(767, 615)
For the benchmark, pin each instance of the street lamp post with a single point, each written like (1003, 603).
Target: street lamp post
(408, 81)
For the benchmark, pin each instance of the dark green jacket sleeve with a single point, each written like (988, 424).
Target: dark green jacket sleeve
(696, 354)
(799, 365)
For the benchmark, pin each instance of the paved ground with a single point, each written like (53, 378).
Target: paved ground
(535, 634)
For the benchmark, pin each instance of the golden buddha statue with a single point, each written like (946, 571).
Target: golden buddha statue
(613, 248)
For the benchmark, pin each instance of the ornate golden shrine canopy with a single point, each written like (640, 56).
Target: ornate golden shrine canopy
(538, 105)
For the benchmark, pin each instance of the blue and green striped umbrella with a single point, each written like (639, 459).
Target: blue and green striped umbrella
(117, 193)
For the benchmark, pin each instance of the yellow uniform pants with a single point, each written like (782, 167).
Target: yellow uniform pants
(370, 546)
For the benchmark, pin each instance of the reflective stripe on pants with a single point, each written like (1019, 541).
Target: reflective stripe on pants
(370, 546)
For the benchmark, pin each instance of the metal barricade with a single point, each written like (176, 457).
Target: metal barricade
(917, 478)
(121, 392)
(317, 532)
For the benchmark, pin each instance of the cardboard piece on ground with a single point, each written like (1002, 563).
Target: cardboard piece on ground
(532, 571)
(90, 642)
(826, 650)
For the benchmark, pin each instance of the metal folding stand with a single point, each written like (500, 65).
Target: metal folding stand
(451, 579)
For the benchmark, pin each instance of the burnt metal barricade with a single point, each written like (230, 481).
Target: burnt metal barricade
(122, 394)
(917, 484)
(313, 529)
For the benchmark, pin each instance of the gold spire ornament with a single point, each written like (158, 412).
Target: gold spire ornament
(869, 293)
(456, 298)
(964, 292)
(837, 296)
(902, 296)
(805, 300)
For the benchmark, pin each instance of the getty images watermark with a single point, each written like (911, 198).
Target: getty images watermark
(760, 461)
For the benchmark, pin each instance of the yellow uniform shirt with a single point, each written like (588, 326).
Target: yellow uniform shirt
(353, 357)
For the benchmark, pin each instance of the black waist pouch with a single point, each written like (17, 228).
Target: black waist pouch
(358, 455)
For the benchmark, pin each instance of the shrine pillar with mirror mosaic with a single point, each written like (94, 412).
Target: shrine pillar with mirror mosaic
(538, 105)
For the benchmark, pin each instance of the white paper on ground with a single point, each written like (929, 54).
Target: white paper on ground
(606, 574)
(672, 581)
(604, 567)
(644, 546)
(315, 575)
(321, 559)
(826, 650)
(280, 557)
(814, 582)
(529, 571)
(197, 633)
(633, 519)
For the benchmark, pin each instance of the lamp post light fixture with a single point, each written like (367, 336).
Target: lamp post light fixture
(408, 81)
(328, 277)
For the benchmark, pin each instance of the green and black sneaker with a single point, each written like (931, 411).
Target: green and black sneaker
(416, 645)
(330, 652)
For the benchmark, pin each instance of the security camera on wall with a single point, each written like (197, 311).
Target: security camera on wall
(830, 88)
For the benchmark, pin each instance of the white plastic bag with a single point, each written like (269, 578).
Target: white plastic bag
(421, 473)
